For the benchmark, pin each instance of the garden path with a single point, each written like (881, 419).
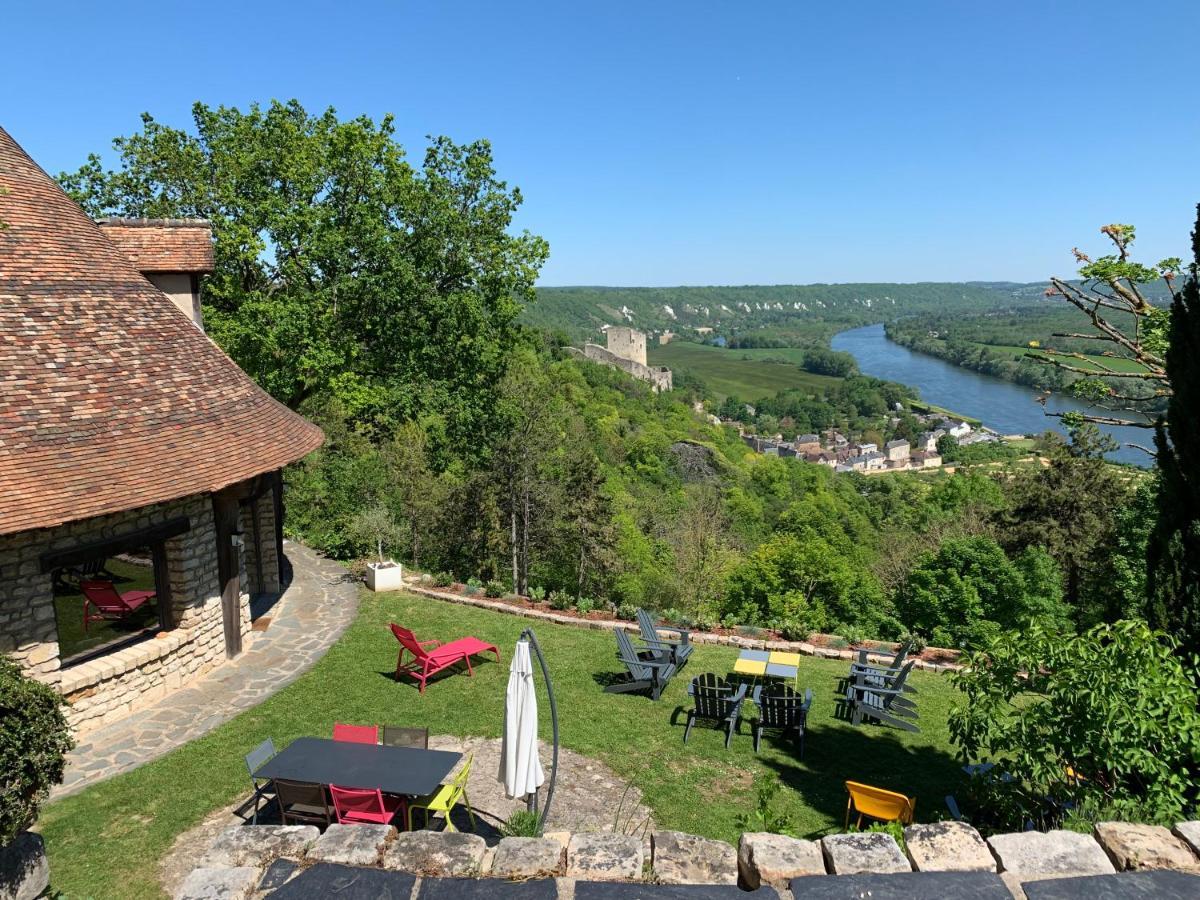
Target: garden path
(318, 604)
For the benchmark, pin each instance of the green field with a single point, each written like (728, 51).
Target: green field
(107, 840)
(747, 374)
(1114, 363)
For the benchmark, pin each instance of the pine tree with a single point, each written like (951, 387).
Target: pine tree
(1174, 551)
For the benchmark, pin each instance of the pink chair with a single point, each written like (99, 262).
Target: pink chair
(430, 657)
(356, 734)
(110, 604)
(363, 807)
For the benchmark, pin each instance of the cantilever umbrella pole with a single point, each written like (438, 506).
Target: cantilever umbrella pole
(531, 801)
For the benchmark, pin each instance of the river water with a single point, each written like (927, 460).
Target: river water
(1001, 405)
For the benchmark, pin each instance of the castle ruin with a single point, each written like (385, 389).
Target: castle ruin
(627, 351)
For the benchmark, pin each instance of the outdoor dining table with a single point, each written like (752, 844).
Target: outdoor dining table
(410, 771)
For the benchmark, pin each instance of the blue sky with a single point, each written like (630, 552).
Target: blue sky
(662, 143)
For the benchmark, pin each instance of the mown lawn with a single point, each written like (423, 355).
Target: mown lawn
(106, 841)
(749, 374)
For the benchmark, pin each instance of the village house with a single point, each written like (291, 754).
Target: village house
(896, 451)
(806, 442)
(140, 468)
(923, 459)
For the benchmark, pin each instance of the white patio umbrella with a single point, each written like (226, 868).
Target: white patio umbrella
(520, 768)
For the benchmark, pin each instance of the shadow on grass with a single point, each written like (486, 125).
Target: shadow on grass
(870, 754)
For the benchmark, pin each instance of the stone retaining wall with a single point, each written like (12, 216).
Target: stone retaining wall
(696, 637)
(244, 852)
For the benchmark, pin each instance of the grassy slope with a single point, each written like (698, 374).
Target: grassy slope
(105, 841)
(750, 374)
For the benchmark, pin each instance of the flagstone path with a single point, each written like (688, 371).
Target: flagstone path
(317, 606)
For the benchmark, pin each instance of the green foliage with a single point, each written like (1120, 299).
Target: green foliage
(627, 611)
(522, 823)
(537, 594)
(1114, 705)
(1174, 546)
(969, 587)
(561, 601)
(495, 588)
(895, 829)
(473, 586)
(342, 270)
(584, 605)
(376, 527)
(820, 361)
(34, 740)
(443, 579)
(764, 816)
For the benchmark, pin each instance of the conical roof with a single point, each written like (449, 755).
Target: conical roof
(110, 398)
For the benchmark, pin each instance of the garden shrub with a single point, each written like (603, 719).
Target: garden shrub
(584, 605)
(34, 740)
(443, 579)
(627, 611)
(495, 588)
(1114, 704)
(474, 586)
(537, 594)
(561, 601)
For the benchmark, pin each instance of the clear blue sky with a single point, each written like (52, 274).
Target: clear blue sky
(662, 143)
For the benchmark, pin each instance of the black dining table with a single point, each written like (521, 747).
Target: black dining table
(394, 770)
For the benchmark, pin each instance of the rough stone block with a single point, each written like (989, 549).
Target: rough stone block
(352, 845)
(601, 856)
(1132, 846)
(862, 853)
(947, 847)
(1033, 853)
(218, 883)
(526, 857)
(775, 859)
(24, 872)
(258, 845)
(687, 859)
(439, 853)
(1190, 832)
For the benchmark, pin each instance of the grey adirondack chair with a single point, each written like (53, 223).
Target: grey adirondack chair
(783, 709)
(715, 700)
(887, 705)
(879, 674)
(649, 669)
(681, 648)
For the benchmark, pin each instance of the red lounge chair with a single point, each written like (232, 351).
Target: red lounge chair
(430, 657)
(356, 734)
(358, 807)
(110, 604)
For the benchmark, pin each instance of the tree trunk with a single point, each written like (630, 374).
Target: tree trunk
(516, 569)
(524, 588)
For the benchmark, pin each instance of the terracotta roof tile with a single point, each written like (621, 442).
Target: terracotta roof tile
(163, 245)
(110, 398)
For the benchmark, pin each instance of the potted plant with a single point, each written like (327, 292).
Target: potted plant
(377, 526)
(34, 740)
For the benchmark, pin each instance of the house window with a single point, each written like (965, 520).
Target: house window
(110, 599)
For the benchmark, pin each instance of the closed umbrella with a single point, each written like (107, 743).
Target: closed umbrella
(520, 768)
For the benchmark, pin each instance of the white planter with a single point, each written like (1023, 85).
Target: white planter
(388, 576)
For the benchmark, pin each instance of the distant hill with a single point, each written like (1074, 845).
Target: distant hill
(803, 313)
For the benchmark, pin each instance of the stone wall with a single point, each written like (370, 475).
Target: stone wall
(627, 343)
(113, 684)
(934, 856)
(265, 547)
(660, 378)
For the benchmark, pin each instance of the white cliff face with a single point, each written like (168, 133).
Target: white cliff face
(670, 312)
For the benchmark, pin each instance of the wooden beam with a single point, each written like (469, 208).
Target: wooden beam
(130, 540)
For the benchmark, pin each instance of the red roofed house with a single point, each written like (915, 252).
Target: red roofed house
(140, 489)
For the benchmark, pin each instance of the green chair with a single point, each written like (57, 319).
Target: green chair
(445, 798)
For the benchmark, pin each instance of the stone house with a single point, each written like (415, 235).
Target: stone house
(626, 350)
(923, 459)
(896, 451)
(806, 442)
(139, 466)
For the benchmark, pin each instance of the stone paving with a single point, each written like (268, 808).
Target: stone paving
(318, 605)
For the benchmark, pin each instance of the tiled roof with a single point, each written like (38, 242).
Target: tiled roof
(110, 398)
(163, 245)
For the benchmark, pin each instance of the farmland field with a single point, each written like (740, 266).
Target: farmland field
(748, 374)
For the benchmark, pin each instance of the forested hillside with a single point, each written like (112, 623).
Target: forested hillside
(795, 314)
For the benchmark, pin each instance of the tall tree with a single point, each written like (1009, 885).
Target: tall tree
(340, 268)
(1174, 551)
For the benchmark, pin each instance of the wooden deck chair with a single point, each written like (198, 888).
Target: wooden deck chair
(649, 669)
(782, 709)
(715, 700)
(887, 706)
(681, 647)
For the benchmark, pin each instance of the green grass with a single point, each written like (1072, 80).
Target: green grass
(106, 841)
(68, 610)
(748, 374)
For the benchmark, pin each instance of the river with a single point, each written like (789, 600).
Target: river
(1001, 405)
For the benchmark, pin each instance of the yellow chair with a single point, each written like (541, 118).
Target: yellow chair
(876, 803)
(445, 798)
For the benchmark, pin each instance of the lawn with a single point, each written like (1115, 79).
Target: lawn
(106, 841)
(748, 374)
